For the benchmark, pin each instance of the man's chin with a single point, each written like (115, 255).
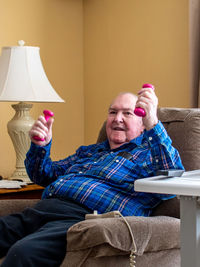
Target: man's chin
(118, 142)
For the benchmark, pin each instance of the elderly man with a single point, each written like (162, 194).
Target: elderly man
(97, 177)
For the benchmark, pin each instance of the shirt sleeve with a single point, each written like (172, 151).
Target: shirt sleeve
(164, 155)
(41, 169)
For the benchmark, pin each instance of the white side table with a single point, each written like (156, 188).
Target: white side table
(188, 188)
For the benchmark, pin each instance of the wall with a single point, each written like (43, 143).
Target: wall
(116, 45)
(56, 27)
(128, 43)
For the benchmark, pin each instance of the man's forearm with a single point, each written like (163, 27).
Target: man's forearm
(39, 165)
(164, 155)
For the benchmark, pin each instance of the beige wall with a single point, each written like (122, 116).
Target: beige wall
(115, 45)
(56, 27)
(128, 43)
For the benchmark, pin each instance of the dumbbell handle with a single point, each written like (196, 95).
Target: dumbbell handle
(140, 111)
(47, 114)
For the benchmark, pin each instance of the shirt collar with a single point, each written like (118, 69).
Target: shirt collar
(138, 140)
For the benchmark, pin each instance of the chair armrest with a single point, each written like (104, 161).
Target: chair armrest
(9, 206)
(150, 234)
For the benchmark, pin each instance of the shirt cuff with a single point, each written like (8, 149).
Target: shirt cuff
(42, 150)
(156, 135)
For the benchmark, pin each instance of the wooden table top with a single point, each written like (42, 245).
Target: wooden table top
(29, 187)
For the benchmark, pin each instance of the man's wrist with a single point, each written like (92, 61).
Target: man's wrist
(35, 149)
(152, 125)
(156, 135)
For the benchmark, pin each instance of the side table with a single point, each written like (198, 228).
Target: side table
(188, 188)
(30, 191)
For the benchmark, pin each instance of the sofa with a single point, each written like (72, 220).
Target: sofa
(107, 241)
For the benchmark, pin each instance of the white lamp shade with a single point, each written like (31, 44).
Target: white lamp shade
(22, 77)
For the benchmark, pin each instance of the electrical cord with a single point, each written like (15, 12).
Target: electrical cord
(134, 249)
(113, 214)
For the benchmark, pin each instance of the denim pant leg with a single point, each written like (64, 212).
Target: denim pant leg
(46, 244)
(14, 227)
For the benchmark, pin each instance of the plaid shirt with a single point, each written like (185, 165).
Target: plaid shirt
(103, 179)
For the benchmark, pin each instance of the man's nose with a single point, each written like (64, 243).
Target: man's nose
(119, 117)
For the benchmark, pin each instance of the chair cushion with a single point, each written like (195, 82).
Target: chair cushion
(183, 126)
(170, 207)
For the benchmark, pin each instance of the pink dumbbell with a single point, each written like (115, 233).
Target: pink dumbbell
(140, 111)
(47, 114)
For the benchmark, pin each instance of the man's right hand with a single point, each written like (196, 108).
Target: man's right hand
(148, 100)
(42, 129)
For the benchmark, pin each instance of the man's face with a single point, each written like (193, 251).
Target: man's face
(122, 124)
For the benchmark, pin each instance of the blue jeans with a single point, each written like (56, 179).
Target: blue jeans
(37, 236)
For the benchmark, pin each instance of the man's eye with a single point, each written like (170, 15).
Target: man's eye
(112, 112)
(128, 113)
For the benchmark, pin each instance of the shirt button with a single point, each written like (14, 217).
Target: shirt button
(116, 160)
(150, 138)
(50, 194)
(61, 180)
(157, 160)
(80, 172)
(95, 162)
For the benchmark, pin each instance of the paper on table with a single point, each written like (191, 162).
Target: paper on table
(11, 184)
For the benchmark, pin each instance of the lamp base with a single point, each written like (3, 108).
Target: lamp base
(20, 174)
(18, 129)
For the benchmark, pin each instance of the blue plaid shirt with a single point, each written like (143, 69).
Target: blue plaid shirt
(103, 179)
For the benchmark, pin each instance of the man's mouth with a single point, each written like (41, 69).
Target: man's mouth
(117, 128)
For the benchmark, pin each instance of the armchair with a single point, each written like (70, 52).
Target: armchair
(107, 242)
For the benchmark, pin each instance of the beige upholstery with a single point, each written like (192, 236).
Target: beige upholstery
(107, 242)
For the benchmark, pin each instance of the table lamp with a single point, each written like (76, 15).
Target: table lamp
(23, 79)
